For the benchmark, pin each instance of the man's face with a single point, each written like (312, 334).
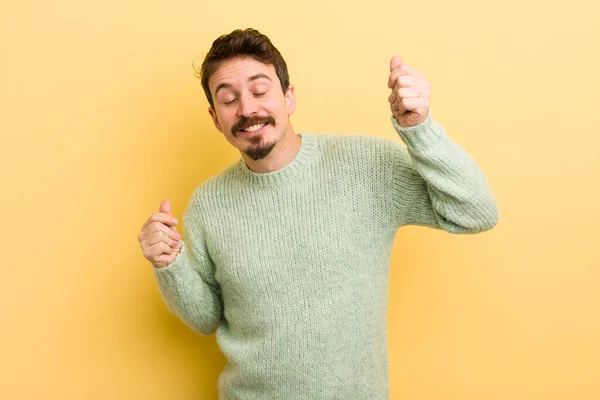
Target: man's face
(251, 110)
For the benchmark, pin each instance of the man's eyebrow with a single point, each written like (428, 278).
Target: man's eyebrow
(257, 76)
(252, 78)
(221, 86)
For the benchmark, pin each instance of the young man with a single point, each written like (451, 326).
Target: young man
(286, 252)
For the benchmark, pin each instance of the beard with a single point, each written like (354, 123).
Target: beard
(259, 147)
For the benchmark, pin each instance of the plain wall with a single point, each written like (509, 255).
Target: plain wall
(102, 118)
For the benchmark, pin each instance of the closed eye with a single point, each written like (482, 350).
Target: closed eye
(228, 103)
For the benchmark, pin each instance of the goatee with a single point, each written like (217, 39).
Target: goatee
(257, 149)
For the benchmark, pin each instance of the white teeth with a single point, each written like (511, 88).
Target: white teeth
(254, 128)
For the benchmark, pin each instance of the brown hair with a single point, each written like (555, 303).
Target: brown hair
(240, 43)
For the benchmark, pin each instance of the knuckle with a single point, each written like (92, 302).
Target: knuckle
(155, 226)
(163, 248)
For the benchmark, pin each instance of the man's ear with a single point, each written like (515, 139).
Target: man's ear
(290, 99)
(213, 114)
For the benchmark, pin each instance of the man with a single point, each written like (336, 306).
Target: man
(286, 252)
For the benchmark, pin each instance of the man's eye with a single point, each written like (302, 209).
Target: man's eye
(259, 94)
(229, 102)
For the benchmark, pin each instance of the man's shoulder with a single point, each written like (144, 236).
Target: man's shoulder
(206, 191)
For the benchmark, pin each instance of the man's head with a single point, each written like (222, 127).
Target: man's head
(246, 82)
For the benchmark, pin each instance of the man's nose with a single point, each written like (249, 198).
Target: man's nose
(248, 105)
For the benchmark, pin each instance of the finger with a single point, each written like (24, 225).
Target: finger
(414, 104)
(155, 227)
(165, 207)
(160, 236)
(397, 107)
(395, 62)
(408, 92)
(155, 251)
(158, 226)
(397, 110)
(421, 90)
(405, 81)
(166, 259)
(402, 71)
(157, 230)
(408, 70)
(162, 218)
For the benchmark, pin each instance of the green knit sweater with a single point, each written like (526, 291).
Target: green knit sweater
(290, 268)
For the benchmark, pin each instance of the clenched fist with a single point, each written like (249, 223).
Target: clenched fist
(159, 238)
(409, 100)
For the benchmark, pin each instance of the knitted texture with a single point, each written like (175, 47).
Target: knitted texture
(290, 268)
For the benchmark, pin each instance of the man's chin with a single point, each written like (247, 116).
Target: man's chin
(259, 151)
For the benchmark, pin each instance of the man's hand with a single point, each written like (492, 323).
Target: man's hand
(159, 239)
(409, 100)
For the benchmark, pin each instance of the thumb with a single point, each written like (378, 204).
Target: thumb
(396, 61)
(165, 207)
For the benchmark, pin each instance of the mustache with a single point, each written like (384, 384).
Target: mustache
(245, 122)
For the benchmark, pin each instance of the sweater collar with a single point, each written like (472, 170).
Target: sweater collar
(302, 159)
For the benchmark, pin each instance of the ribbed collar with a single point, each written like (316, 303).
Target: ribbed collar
(304, 157)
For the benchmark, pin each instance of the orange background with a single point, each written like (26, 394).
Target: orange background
(101, 119)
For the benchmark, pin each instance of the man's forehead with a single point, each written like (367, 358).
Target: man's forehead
(240, 71)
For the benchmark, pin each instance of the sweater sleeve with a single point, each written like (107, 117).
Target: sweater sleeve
(437, 184)
(188, 284)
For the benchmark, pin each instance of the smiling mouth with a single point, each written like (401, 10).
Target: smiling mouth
(253, 128)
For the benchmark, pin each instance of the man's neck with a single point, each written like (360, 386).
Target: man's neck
(282, 154)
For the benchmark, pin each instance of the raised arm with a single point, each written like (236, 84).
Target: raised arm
(436, 183)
